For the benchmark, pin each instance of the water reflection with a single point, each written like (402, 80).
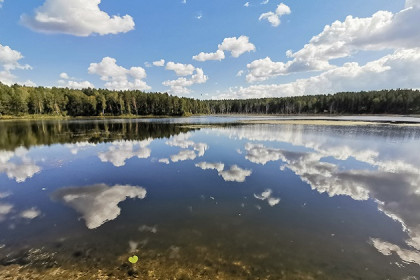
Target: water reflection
(17, 165)
(98, 203)
(393, 184)
(121, 151)
(268, 195)
(267, 201)
(234, 174)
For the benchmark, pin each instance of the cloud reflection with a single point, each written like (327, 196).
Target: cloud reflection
(17, 165)
(234, 174)
(393, 180)
(98, 204)
(267, 195)
(183, 141)
(120, 151)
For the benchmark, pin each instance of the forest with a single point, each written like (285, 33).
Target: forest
(17, 100)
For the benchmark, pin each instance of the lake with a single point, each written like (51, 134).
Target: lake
(208, 198)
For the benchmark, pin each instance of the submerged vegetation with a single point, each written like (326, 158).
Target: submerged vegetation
(19, 100)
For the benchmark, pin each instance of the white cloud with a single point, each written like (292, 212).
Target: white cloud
(180, 69)
(164, 160)
(386, 248)
(240, 73)
(30, 214)
(274, 17)
(184, 155)
(5, 194)
(120, 151)
(246, 4)
(396, 70)
(265, 2)
(207, 165)
(118, 77)
(235, 173)
(18, 165)
(98, 204)
(159, 63)
(64, 76)
(267, 195)
(1, 3)
(180, 85)
(5, 208)
(236, 46)
(383, 31)
(76, 17)
(9, 60)
(67, 81)
(218, 55)
(183, 141)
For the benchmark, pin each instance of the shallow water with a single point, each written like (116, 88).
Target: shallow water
(224, 201)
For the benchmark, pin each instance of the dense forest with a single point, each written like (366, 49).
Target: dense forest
(19, 100)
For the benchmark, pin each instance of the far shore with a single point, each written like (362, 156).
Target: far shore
(324, 119)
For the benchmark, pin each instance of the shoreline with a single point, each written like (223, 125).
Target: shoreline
(338, 120)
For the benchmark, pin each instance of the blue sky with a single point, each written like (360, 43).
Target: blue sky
(366, 45)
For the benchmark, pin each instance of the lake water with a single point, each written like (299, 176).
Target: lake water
(208, 198)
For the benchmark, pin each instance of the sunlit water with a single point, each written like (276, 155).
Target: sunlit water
(221, 201)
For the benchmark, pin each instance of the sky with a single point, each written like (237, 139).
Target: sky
(214, 49)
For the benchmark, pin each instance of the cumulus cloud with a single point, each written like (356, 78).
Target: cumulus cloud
(182, 84)
(68, 82)
(118, 77)
(164, 160)
(236, 46)
(120, 151)
(382, 31)
(395, 70)
(98, 204)
(30, 214)
(180, 69)
(234, 174)
(183, 141)
(159, 63)
(246, 4)
(184, 155)
(386, 248)
(9, 61)
(274, 17)
(5, 209)
(208, 165)
(17, 165)
(218, 55)
(76, 17)
(267, 195)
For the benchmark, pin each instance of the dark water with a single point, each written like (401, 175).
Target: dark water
(221, 201)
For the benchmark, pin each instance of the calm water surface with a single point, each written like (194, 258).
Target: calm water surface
(220, 201)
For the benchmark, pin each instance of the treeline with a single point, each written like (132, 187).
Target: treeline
(400, 101)
(20, 100)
